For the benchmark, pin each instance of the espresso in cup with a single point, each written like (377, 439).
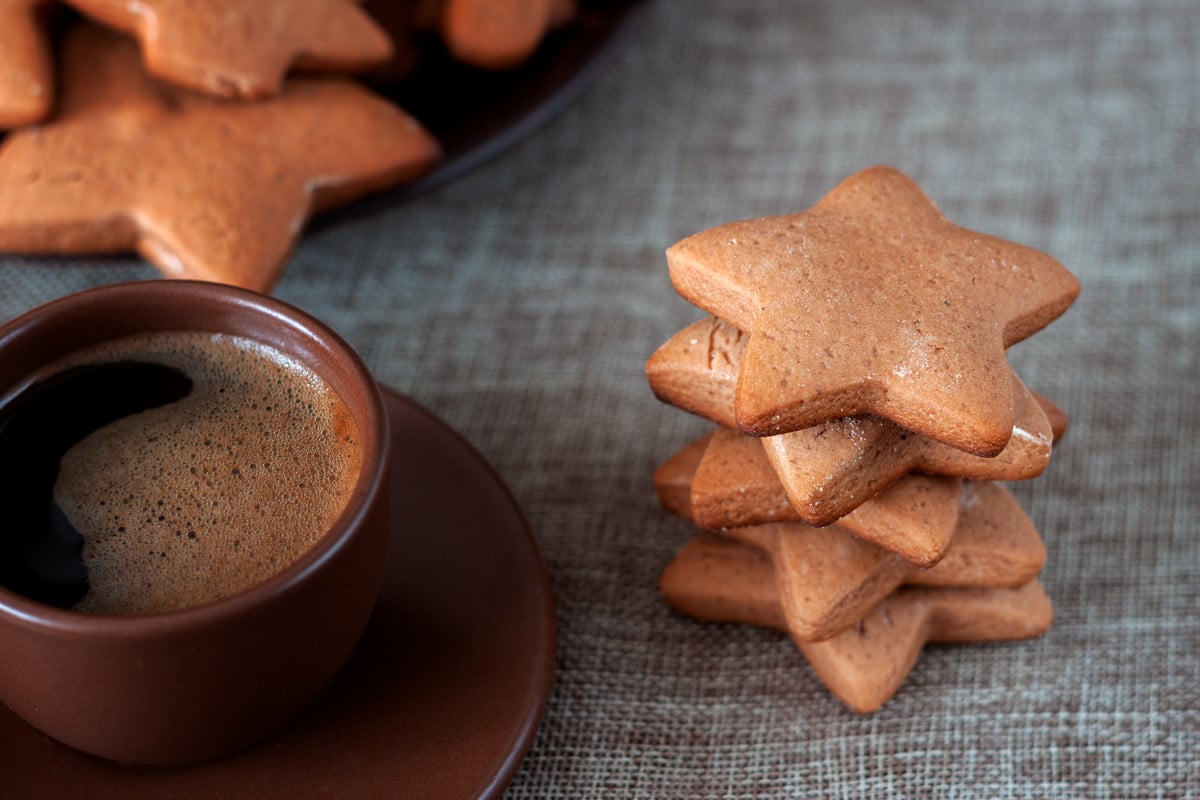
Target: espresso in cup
(172, 469)
(108, 400)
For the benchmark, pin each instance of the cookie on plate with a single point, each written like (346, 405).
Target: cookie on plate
(235, 48)
(26, 66)
(499, 34)
(203, 188)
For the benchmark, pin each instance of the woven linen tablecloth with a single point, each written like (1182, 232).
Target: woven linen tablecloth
(521, 302)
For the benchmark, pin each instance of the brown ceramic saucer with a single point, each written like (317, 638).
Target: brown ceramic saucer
(445, 691)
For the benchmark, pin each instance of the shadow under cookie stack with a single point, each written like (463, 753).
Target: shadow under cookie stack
(855, 367)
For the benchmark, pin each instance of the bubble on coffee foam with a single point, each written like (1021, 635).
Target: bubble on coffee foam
(200, 499)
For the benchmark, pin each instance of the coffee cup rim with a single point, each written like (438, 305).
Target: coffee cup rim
(17, 608)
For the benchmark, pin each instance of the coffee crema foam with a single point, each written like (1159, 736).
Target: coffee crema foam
(215, 493)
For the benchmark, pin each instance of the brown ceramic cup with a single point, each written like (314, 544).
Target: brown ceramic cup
(193, 684)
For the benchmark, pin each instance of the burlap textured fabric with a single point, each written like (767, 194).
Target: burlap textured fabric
(521, 302)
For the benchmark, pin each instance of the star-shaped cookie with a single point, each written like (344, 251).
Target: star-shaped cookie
(204, 188)
(830, 469)
(498, 34)
(241, 48)
(828, 578)
(26, 67)
(724, 480)
(872, 302)
(720, 580)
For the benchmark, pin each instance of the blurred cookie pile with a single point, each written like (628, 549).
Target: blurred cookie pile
(855, 365)
(204, 135)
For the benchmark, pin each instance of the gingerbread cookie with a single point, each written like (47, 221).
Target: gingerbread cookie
(499, 34)
(872, 302)
(673, 478)
(1055, 415)
(724, 480)
(828, 578)
(720, 580)
(203, 188)
(26, 67)
(717, 579)
(236, 48)
(875, 453)
(829, 469)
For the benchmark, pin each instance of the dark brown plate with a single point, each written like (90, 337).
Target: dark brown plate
(477, 114)
(444, 693)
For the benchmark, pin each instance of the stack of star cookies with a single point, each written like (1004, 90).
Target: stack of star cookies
(174, 129)
(855, 365)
